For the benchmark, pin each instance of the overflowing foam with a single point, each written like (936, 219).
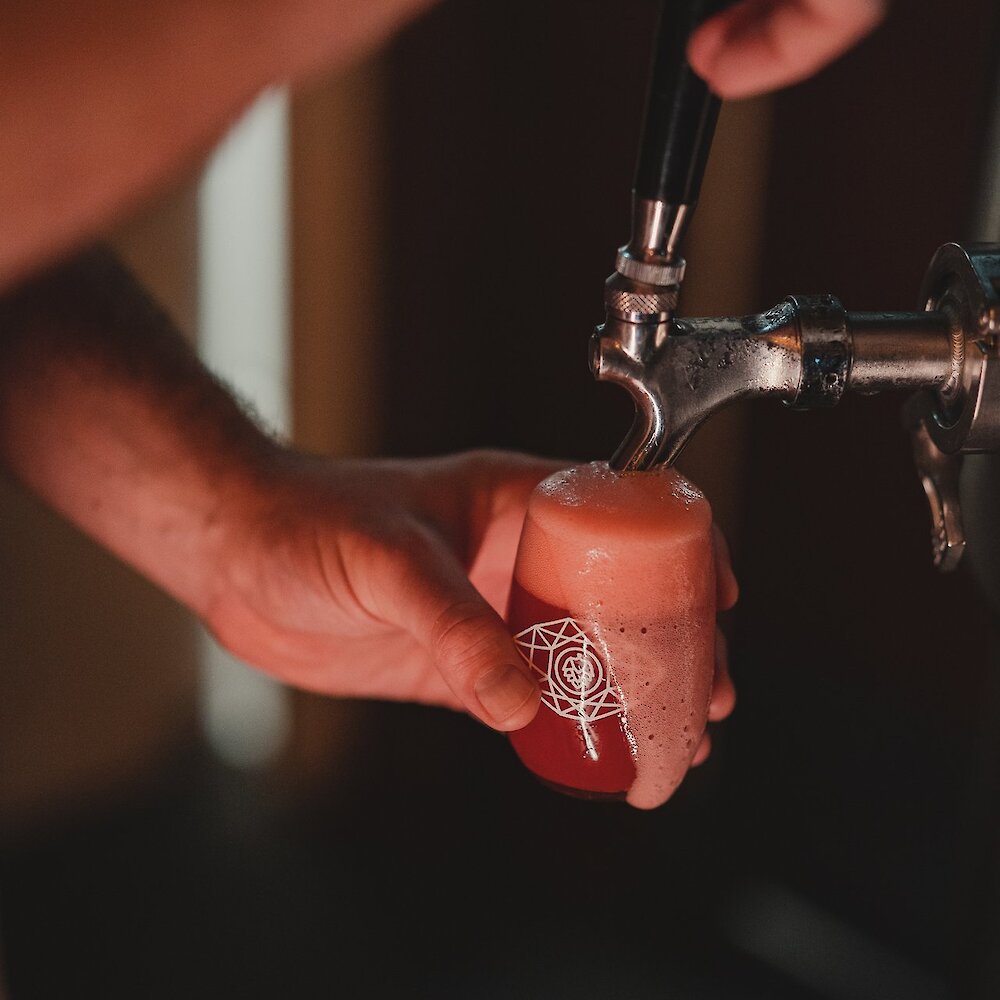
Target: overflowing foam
(629, 556)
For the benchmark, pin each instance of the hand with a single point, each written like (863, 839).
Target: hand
(760, 45)
(383, 579)
(388, 579)
(723, 692)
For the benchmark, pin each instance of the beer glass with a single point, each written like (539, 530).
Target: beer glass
(613, 605)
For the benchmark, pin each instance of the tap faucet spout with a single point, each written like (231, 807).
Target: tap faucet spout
(679, 379)
(806, 351)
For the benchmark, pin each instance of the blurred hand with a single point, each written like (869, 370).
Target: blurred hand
(760, 45)
(723, 692)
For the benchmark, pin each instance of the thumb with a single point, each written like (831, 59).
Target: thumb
(424, 589)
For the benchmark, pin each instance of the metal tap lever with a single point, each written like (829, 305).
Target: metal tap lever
(678, 126)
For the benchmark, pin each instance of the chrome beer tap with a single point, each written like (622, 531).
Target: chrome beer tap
(806, 351)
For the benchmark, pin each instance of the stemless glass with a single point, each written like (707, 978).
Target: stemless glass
(613, 605)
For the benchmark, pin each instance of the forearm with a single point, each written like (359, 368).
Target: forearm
(108, 416)
(104, 102)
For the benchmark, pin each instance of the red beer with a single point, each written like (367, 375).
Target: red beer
(613, 605)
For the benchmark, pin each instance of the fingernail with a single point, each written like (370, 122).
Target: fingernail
(703, 751)
(502, 691)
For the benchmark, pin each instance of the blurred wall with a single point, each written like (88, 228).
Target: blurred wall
(99, 670)
(457, 210)
(97, 667)
(861, 753)
(864, 676)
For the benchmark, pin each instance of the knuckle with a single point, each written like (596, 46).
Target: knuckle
(463, 636)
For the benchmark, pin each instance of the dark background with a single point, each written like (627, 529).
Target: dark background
(840, 842)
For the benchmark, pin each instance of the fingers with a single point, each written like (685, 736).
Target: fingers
(422, 587)
(723, 697)
(727, 586)
(704, 750)
(496, 486)
(723, 691)
(760, 45)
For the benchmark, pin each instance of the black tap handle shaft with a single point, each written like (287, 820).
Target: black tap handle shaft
(680, 111)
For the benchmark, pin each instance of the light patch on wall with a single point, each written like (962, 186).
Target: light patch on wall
(243, 336)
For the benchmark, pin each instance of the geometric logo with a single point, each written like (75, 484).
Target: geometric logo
(574, 682)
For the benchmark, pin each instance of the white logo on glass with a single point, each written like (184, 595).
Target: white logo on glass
(575, 684)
